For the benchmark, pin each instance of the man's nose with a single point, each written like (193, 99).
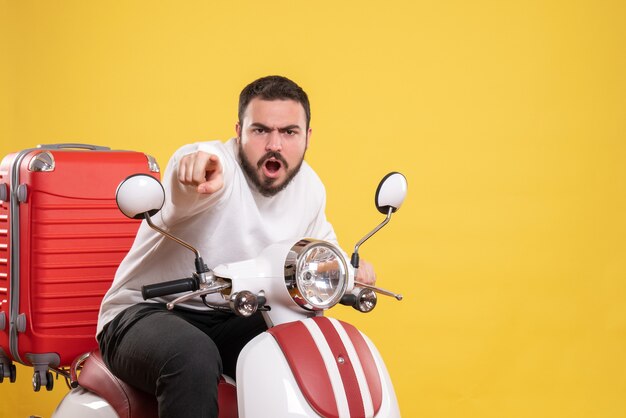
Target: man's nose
(274, 141)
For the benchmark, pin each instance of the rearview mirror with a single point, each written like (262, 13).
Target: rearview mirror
(390, 193)
(138, 195)
(389, 196)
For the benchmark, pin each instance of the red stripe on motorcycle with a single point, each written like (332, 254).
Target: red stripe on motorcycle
(346, 368)
(307, 366)
(368, 364)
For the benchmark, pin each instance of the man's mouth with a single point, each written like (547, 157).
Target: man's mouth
(271, 164)
(271, 168)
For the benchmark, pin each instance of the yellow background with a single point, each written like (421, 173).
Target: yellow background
(507, 117)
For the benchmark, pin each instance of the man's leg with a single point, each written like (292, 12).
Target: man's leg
(161, 353)
(229, 332)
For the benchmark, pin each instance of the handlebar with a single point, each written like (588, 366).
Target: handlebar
(171, 287)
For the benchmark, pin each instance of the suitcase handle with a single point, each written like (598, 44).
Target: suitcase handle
(74, 145)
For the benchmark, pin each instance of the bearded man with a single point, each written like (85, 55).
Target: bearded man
(230, 200)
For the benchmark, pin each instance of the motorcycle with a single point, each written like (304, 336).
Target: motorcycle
(304, 365)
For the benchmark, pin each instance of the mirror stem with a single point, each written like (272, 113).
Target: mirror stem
(201, 268)
(354, 260)
(168, 235)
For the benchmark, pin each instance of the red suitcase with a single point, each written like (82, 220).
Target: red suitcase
(61, 240)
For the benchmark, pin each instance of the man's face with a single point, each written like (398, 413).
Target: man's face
(272, 141)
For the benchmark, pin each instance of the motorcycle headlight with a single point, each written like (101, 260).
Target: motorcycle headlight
(316, 274)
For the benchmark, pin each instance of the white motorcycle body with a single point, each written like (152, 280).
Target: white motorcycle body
(272, 369)
(275, 370)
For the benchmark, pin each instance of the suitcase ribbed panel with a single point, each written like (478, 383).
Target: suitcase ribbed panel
(76, 248)
(4, 260)
(4, 256)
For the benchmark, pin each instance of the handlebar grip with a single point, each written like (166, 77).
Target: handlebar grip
(169, 288)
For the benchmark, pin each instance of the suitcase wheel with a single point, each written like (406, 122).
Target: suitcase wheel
(49, 381)
(12, 373)
(37, 381)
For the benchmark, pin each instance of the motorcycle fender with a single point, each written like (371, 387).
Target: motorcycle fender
(80, 403)
(267, 384)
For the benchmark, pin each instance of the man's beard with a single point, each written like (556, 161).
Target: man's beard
(267, 187)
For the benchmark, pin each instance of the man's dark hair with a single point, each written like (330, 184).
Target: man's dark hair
(274, 87)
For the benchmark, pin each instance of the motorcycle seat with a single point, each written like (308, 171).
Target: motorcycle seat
(129, 402)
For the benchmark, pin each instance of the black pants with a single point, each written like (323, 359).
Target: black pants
(176, 355)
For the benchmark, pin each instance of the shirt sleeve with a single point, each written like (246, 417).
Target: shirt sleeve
(183, 202)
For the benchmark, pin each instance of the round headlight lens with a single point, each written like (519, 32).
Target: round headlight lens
(320, 277)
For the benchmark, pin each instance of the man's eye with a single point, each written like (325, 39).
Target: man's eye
(290, 132)
(258, 130)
